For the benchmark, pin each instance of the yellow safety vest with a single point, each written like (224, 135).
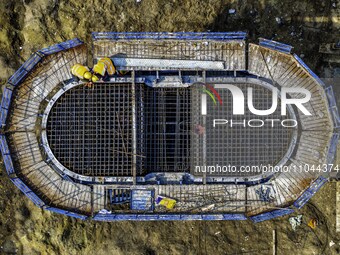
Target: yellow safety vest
(79, 70)
(99, 68)
(110, 68)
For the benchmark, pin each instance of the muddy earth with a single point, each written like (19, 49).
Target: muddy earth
(29, 25)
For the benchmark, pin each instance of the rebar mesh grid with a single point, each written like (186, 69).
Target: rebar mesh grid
(90, 130)
(164, 115)
(238, 146)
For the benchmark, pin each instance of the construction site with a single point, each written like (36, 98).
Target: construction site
(127, 148)
(168, 153)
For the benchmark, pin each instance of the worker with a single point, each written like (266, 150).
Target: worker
(99, 68)
(110, 68)
(82, 72)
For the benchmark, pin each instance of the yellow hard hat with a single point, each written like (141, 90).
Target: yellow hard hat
(95, 78)
(87, 75)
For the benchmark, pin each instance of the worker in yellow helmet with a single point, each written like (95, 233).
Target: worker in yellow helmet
(110, 68)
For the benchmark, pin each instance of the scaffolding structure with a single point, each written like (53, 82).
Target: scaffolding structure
(106, 153)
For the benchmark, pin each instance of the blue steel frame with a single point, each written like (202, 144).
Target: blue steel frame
(35, 58)
(220, 36)
(281, 47)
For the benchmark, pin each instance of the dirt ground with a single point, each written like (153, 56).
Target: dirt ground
(28, 25)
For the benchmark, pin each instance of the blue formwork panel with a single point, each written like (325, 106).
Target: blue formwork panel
(5, 103)
(147, 217)
(165, 35)
(169, 217)
(284, 48)
(6, 98)
(271, 215)
(104, 217)
(23, 71)
(6, 155)
(28, 192)
(67, 213)
(60, 47)
(309, 193)
(126, 217)
(191, 217)
(8, 163)
(163, 217)
(332, 148)
(212, 217)
(235, 216)
(300, 61)
(332, 106)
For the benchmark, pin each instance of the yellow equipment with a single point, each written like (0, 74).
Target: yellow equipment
(165, 201)
(82, 72)
(110, 68)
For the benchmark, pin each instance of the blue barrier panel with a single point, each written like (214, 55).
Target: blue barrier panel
(6, 155)
(285, 48)
(147, 217)
(169, 217)
(212, 217)
(234, 216)
(67, 213)
(126, 217)
(22, 72)
(5, 103)
(332, 106)
(6, 98)
(165, 35)
(300, 61)
(28, 192)
(163, 217)
(309, 193)
(60, 47)
(271, 215)
(191, 217)
(4, 145)
(104, 217)
(332, 148)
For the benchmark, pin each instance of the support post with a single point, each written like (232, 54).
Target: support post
(134, 129)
